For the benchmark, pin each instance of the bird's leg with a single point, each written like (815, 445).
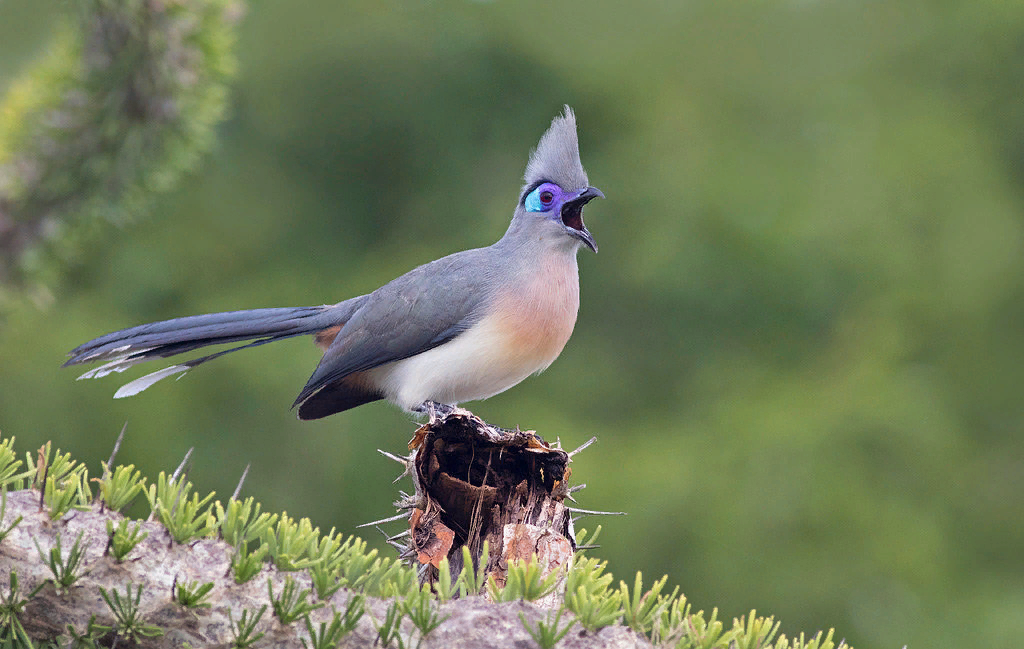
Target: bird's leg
(425, 408)
(432, 409)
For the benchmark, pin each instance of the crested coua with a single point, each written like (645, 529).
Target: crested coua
(463, 327)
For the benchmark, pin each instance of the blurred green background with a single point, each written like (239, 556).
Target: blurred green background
(800, 347)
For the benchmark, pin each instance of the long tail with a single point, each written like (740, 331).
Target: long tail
(128, 347)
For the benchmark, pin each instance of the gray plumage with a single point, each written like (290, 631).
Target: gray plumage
(409, 315)
(557, 156)
(462, 327)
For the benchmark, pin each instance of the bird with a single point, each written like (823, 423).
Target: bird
(461, 328)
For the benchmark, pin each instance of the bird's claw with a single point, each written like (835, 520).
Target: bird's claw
(434, 409)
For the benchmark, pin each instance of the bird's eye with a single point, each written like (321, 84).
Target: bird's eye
(541, 199)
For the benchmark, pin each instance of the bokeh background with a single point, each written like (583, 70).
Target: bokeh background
(800, 347)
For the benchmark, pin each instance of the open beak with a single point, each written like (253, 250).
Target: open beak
(572, 216)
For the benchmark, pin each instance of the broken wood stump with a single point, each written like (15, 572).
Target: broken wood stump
(475, 482)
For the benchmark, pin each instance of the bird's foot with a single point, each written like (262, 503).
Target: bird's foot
(434, 409)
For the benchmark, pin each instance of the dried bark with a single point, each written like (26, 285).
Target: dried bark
(475, 482)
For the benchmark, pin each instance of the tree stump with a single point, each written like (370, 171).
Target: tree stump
(474, 483)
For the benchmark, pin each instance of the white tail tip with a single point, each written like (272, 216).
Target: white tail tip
(140, 384)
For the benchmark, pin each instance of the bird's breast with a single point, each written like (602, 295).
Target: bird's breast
(534, 319)
(524, 329)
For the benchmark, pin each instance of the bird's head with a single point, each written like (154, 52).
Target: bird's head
(556, 189)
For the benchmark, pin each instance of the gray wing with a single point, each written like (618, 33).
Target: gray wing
(422, 309)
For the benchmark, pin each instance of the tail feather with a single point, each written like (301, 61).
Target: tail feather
(123, 349)
(185, 334)
(132, 388)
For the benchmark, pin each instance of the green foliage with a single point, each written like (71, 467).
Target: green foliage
(667, 620)
(673, 622)
(642, 610)
(327, 637)
(11, 606)
(72, 492)
(341, 625)
(547, 632)
(242, 521)
(88, 639)
(102, 139)
(421, 608)
(240, 524)
(330, 554)
(64, 571)
(355, 568)
(587, 594)
(4, 531)
(183, 517)
(244, 630)
(524, 581)
(756, 632)
(192, 594)
(128, 622)
(473, 579)
(388, 578)
(701, 634)
(329, 547)
(49, 465)
(584, 537)
(9, 476)
(749, 632)
(122, 540)
(390, 629)
(15, 637)
(245, 565)
(444, 589)
(64, 482)
(292, 604)
(118, 488)
(334, 563)
(354, 609)
(326, 578)
(353, 563)
(291, 545)
(819, 640)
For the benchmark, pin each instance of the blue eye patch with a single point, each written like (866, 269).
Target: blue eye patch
(541, 199)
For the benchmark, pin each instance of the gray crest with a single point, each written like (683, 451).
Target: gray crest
(557, 156)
